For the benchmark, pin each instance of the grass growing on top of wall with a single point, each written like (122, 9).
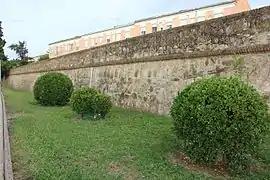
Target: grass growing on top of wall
(49, 143)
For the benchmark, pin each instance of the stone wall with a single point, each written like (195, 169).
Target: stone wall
(146, 72)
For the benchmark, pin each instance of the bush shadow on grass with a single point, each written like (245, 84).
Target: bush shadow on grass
(172, 149)
(86, 117)
(35, 103)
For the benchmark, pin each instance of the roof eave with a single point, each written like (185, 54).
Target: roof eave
(146, 19)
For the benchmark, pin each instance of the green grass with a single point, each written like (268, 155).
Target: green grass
(49, 143)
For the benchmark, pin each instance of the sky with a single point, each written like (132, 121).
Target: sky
(40, 22)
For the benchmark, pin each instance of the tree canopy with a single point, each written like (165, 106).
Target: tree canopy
(21, 50)
(2, 44)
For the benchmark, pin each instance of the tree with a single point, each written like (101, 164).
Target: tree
(4, 68)
(44, 57)
(2, 44)
(21, 50)
(7, 65)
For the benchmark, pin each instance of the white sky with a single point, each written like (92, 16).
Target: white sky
(40, 22)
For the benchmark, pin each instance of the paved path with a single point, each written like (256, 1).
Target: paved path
(6, 172)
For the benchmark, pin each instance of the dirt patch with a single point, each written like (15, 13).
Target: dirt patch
(20, 173)
(131, 175)
(129, 159)
(128, 173)
(219, 172)
(259, 167)
(11, 116)
(115, 168)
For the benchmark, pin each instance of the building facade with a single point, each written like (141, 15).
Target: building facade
(146, 26)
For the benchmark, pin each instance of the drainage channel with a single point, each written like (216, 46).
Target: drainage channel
(5, 156)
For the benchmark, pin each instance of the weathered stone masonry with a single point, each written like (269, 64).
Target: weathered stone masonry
(147, 71)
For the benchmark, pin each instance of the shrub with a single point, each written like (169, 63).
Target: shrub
(7, 65)
(53, 89)
(103, 104)
(82, 100)
(43, 57)
(220, 119)
(88, 101)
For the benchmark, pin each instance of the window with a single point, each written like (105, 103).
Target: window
(76, 45)
(143, 31)
(154, 29)
(71, 47)
(108, 40)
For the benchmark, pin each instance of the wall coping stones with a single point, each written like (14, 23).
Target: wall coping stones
(241, 33)
(190, 55)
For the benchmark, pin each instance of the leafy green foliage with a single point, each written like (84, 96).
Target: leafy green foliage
(82, 100)
(21, 50)
(43, 57)
(103, 104)
(89, 101)
(2, 44)
(53, 89)
(221, 119)
(7, 65)
(238, 65)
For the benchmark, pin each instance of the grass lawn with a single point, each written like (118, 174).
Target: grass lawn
(48, 143)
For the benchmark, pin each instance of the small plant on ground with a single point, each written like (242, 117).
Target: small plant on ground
(221, 120)
(53, 89)
(89, 101)
(103, 104)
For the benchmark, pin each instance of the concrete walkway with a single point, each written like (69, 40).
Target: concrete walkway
(6, 172)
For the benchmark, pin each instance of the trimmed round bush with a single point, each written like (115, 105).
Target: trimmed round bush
(83, 101)
(53, 89)
(89, 101)
(103, 104)
(220, 120)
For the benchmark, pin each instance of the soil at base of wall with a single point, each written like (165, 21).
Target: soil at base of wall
(220, 171)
